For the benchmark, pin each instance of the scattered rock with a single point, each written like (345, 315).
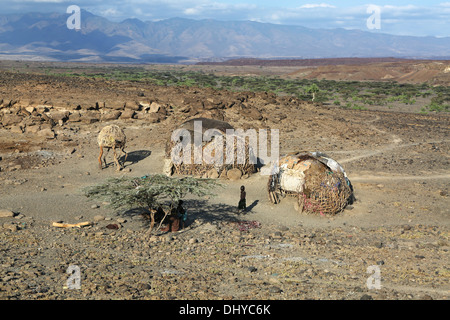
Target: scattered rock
(234, 174)
(131, 106)
(10, 226)
(4, 213)
(98, 218)
(252, 269)
(127, 114)
(111, 115)
(46, 133)
(275, 289)
(378, 244)
(154, 107)
(16, 129)
(212, 174)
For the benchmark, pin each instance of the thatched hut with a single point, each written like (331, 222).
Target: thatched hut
(214, 158)
(111, 137)
(318, 182)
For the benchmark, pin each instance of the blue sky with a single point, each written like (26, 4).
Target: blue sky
(402, 17)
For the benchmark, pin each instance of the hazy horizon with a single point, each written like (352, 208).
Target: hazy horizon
(411, 18)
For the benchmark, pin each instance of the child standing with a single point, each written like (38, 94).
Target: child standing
(242, 202)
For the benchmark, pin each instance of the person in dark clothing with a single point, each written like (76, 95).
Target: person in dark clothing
(181, 212)
(242, 202)
(176, 219)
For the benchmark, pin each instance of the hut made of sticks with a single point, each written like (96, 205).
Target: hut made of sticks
(318, 182)
(239, 157)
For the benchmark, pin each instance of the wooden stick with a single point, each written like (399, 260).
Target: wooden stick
(69, 225)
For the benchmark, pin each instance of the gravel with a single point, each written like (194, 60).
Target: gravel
(215, 261)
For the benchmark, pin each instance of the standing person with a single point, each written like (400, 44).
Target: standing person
(182, 214)
(242, 202)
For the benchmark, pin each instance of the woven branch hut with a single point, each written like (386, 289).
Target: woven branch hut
(319, 183)
(239, 162)
(112, 136)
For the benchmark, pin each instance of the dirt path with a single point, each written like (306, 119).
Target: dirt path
(398, 165)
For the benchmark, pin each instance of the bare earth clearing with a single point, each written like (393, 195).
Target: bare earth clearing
(397, 162)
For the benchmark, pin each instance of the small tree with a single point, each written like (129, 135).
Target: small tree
(150, 192)
(312, 89)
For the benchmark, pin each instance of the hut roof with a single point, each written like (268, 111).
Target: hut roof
(206, 124)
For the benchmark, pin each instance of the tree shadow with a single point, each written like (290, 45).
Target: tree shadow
(199, 212)
(210, 212)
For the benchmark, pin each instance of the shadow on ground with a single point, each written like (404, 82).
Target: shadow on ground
(200, 212)
(136, 156)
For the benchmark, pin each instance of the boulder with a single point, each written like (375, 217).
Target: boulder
(252, 114)
(127, 114)
(10, 226)
(30, 109)
(41, 108)
(114, 105)
(4, 213)
(90, 117)
(212, 174)
(111, 115)
(154, 107)
(234, 174)
(59, 115)
(11, 119)
(74, 117)
(144, 105)
(32, 128)
(46, 133)
(162, 110)
(16, 129)
(150, 117)
(132, 106)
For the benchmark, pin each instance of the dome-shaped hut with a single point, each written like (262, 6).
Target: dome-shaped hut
(318, 182)
(219, 150)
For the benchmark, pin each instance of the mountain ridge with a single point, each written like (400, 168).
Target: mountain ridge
(45, 36)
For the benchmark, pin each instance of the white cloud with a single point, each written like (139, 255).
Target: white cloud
(218, 9)
(46, 1)
(314, 5)
(191, 11)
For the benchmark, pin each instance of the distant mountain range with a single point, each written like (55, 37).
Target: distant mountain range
(45, 36)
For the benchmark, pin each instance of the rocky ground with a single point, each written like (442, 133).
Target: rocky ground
(399, 225)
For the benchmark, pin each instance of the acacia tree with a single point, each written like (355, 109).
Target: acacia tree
(313, 89)
(150, 192)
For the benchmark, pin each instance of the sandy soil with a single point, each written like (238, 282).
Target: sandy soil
(397, 162)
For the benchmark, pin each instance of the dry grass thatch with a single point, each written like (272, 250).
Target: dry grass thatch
(208, 167)
(111, 136)
(318, 182)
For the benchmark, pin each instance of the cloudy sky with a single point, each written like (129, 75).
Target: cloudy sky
(402, 17)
